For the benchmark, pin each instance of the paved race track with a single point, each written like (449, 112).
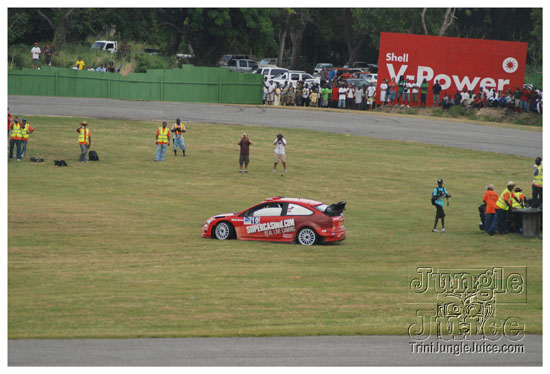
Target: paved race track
(409, 128)
(281, 351)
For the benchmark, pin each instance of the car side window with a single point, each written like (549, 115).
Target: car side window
(297, 210)
(265, 210)
(295, 77)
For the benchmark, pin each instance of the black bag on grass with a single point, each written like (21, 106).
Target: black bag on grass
(92, 155)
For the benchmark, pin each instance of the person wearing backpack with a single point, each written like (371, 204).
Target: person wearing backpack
(439, 195)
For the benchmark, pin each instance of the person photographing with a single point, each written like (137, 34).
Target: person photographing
(244, 158)
(279, 152)
(84, 140)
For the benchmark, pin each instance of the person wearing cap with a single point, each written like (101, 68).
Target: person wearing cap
(438, 197)
(26, 130)
(504, 203)
(15, 139)
(162, 140)
(490, 199)
(280, 152)
(537, 183)
(35, 54)
(177, 140)
(518, 202)
(84, 140)
(244, 143)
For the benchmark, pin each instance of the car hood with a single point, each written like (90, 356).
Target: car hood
(223, 215)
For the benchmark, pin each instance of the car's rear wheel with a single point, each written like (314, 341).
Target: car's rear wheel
(224, 230)
(307, 236)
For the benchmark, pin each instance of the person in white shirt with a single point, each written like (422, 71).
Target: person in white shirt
(342, 96)
(35, 53)
(465, 98)
(349, 96)
(414, 99)
(280, 152)
(358, 98)
(407, 93)
(383, 89)
(371, 91)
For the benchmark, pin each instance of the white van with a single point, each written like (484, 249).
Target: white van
(295, 76)
(270, 71)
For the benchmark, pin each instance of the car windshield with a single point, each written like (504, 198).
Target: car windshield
(98, 45)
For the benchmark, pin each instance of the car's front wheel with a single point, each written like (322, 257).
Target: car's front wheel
(307, 236)
(224, 231)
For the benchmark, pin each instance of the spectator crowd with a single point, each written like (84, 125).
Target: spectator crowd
(340, 92)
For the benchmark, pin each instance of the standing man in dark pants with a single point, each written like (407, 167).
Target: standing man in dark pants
(438, 199)
(537, 183)
(244, 143)
(436, 89)
(84, 140)
(504, 204)
(15, 139)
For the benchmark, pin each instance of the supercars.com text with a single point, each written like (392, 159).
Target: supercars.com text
(464, 347)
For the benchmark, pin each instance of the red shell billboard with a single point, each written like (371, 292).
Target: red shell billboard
(457, 63)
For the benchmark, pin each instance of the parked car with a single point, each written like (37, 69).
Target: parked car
(105, 45)
(317, 69)
(270, 72)
(281, 219)
(342, 73)
(224, 60)
(267, 62)
(369, 77)
(242, 66)
(357, 82)
(295, 76)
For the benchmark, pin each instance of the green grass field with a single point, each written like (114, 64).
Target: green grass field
(113, 249)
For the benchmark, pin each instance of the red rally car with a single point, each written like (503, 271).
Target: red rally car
(281, 219)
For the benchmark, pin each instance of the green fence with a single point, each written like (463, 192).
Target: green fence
(188, 84)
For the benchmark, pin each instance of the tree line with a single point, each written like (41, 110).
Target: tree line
(297, 37)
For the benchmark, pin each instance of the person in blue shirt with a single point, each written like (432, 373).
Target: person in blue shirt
(438, 199)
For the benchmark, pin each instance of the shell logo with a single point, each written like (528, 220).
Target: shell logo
(510, 65)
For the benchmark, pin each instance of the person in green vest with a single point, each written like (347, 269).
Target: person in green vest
(423, 93)
(325, 92)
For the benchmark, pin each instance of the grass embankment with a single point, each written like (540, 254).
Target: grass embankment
(113, 249)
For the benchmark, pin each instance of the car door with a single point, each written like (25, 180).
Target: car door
(263, 222)
(295, 217)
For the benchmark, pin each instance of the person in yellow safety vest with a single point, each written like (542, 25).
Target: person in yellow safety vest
(537, 183)
(84, 140)
(162, 140)
(504, 204)
(26, 130)
(177, 140)
(518, 201)
(15, 139)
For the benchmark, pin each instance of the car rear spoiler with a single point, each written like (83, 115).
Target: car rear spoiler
(335, 209)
